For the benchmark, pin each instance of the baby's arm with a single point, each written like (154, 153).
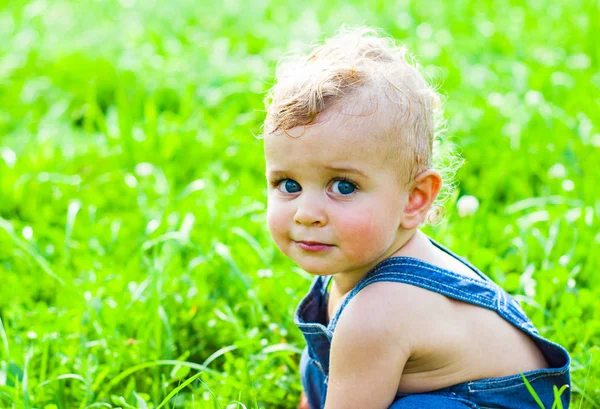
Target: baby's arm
(371, 344)
(303, 404)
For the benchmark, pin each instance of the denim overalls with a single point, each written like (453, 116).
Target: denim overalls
(509, 392)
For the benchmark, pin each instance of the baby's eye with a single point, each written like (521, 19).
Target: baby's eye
(345, 187)
(289, 186)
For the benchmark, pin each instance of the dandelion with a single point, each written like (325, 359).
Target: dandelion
(557, 171)
(152, 226)
(264, 273)
(533, 98)
(9, 156)
(144, 169)
(27, 232)
(467, 205)
(568, 185)
(130, 180)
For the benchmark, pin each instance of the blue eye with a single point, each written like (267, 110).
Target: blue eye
(290, 186)
(345, 187)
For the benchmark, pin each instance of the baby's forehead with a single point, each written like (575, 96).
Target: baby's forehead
(332, 136)
(336, 141)
(362, 120)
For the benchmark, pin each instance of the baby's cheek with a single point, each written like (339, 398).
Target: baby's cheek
(276, 224)
(272, 222)
(367, 230)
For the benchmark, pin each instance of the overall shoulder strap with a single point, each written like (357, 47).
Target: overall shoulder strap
(408, 270)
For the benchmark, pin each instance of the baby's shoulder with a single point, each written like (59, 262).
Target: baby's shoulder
(395, 307)
(393, 297)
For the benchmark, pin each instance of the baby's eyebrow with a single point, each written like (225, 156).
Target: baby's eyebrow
(277, 172)
(345, 169)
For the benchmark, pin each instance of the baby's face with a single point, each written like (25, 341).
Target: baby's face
(333, 185)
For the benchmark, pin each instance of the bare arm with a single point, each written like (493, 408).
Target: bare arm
(370, 347)
(303, 404)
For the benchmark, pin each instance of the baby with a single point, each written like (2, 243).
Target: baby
(392, 319)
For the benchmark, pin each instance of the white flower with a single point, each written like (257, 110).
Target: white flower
(152, 226)
(27, 232)
(9, 156)
(533, 98)
(568, 185)
(557, 170)
(130, 180)
(467, 205)
(264, 273)
(144, 169)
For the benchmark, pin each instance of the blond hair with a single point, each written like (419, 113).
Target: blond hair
(358, 65)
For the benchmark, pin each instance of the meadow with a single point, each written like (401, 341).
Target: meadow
(136, 267)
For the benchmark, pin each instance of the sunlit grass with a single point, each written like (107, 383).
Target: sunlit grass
(133, 249)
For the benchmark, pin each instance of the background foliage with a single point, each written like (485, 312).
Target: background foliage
(133, 246)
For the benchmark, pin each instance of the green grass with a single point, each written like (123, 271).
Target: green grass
(134, 256)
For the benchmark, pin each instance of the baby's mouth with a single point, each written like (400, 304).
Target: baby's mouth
(313, 246)
(313, 243)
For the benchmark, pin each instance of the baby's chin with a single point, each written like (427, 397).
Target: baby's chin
(318, 273)
(313, 269)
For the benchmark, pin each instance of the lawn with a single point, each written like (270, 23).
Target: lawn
(136, 267)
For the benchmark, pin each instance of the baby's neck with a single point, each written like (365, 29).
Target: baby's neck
(417, 246)
(413, 244)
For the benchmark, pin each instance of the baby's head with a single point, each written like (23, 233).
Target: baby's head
(352, 103)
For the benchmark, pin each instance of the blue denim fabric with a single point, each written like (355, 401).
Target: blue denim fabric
(508, 392)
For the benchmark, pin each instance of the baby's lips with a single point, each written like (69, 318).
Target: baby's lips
(313, 243)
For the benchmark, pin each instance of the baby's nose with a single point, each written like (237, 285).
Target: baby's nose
(310, 212)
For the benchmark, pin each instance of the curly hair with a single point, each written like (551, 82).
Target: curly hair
(361, 67)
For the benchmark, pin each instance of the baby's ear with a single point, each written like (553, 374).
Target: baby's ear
(423, 192)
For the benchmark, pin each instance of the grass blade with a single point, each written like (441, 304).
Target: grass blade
(532, 391)
(557, 393)
(41, 261)
(176, 390)
(152, 364)
(4, 339)
(58, 378)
